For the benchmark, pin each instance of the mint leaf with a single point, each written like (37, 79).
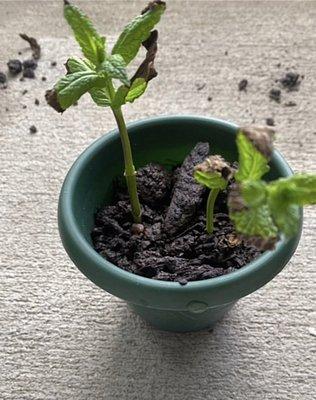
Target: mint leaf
(137, 88)
(286, 195)
(298, 189)
(75, 64)
(210, 180)
(91, 43)
(254, 193)
(255, 221)
(99, 95)
(71, 87)
(138, 30)
(126, 94)
(252, 219)
(254, 149)
(285, 216)
(114, 67)
(214, 172)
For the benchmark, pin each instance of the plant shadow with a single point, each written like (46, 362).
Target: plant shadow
(144, 363)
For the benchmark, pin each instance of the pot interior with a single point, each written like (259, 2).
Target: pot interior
(164, 140)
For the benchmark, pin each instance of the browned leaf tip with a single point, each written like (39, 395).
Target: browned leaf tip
(261, 138)
(146, 69)
(151, 5)
(259, 242)
(216, 164)
(35, 47)
(67, 67)
(52, 100)
(235, 200)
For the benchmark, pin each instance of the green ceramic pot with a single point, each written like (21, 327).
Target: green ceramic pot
(88, 185)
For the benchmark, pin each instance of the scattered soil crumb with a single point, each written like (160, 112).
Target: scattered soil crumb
(200, 86)
(242, 85)
(24, 92)
(33, 129)
(14, 66)
(270, 121)
(29, 73)
(278, 65)
(209, 98)
(35, 47)
(226, 53)
(53, 63)
(24, 106)
(3, 78)
(44, 78)
(32, 64)
(290, 104)
(36, 102)
(291, 81)
(275, 94)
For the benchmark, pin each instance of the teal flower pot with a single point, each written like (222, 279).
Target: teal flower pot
(88, 185)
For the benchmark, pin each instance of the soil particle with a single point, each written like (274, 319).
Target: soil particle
(35, 47)
(290, 81)
(36, 102)
(32, 64)
(242, 85)
(290, 104)
(14, 66)
(226, 53)
(270, 121)
(24, 92)
(275, 94)
(137, 229)
(209, 98)
(187, 195)
(33, 129)
(200, 86)
(3, 78)
(154, 184)
(53, 63)
(29, 73)
(24, 106)
(44, 78)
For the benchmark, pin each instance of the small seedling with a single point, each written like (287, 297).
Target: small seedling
(261, 211)
(214, 173)
(99, 71)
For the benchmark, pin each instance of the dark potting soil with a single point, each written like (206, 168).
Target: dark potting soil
(171, 244)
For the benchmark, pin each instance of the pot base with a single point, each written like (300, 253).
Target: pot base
(183, 321)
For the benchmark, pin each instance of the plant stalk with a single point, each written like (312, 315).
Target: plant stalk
(130, 172)
(210, 210)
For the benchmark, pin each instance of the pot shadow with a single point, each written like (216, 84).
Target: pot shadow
(144, 363)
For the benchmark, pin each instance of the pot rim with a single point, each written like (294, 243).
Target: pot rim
(70, 230)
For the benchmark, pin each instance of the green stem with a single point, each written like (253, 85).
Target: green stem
(210, 210)
(130, 173)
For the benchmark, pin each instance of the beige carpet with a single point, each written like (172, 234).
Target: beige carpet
(62, 337)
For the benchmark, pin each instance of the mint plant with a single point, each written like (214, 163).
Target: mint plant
(99, 72)
(214, 173)
(261, 211)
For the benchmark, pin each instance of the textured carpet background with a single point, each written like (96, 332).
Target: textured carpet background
(62, 337)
